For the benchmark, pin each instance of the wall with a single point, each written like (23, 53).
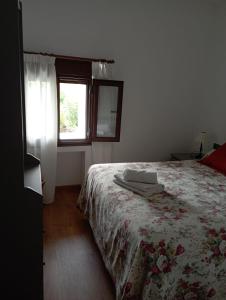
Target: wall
(69, 168)
(212, 115)
(161, 52)
(218, 108)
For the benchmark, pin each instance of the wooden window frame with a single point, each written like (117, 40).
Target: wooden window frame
(96, 84)
(74, 142)
(80, 73)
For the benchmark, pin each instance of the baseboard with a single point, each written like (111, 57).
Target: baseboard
(71, 188)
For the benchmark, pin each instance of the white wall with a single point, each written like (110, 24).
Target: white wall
(162, 51)
(218, 108)
(69, 168)
(212, 115)
(220, 104)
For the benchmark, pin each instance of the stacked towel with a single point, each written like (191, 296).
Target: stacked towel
(138, 186)
(140, 176)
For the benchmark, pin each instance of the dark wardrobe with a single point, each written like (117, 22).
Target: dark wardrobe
(21, 260)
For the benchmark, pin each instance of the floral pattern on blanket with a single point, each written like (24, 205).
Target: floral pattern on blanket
(171, 246)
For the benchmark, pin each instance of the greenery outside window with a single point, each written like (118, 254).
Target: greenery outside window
(73, 112)
(88, 109)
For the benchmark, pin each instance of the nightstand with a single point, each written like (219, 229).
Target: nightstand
(185, 156)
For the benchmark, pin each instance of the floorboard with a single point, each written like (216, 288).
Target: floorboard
(73, 269)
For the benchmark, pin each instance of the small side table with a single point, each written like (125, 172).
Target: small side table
(185, 156)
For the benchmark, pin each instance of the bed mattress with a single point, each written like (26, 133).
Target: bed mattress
(170, 246)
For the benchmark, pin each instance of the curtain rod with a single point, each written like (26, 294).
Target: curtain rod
(71, 57)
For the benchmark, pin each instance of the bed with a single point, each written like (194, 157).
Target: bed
(171, 246)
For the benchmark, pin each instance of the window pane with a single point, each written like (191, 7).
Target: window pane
(72, 111)
(107, 111)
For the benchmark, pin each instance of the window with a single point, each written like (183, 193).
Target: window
(107, 110)
(88, 110)
(73, 101)
(73, 87)
(73, 112)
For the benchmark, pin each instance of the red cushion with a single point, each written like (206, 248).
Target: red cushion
(217, 159)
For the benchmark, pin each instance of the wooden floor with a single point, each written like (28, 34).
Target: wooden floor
(73, 267)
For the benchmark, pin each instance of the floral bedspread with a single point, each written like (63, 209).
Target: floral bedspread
(171, 246)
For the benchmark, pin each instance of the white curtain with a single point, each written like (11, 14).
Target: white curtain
(101, 151)
(41, 116)
(102, 70)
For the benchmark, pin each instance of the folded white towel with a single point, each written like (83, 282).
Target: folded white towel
(143, 189)
(140, 176)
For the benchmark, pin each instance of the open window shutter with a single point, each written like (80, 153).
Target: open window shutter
(107, 101)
